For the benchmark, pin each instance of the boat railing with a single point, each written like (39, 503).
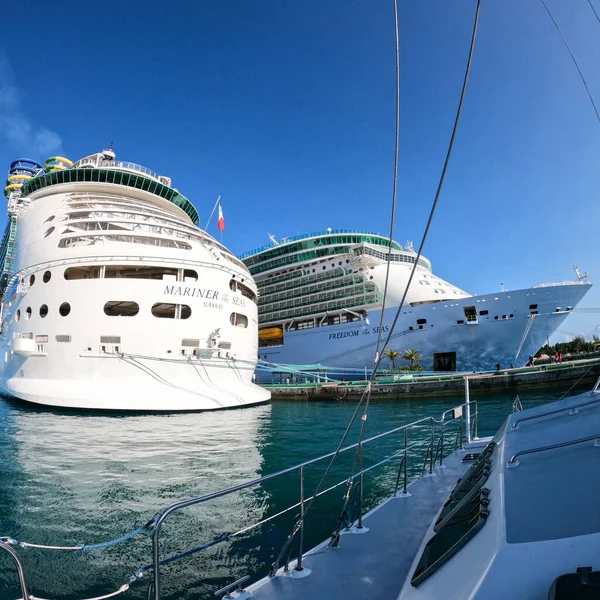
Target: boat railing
(20, 571)
(120, 164)
(561, 283)
(433, 435)
(573, 409)
(513, 462)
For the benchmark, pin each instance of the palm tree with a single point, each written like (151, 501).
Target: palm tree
(413, 355)
(392, 355)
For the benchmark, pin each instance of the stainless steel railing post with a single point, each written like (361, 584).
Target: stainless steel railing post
(432, 446)
(20, 572)
(468, 410)
(405, 458)
(360, 491)
(442, 443)
(301, 533)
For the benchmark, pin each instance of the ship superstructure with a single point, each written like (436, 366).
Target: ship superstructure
(321, 298)
(114, 298)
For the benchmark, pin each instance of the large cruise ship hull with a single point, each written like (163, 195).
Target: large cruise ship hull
(137, 383)
(508, 334)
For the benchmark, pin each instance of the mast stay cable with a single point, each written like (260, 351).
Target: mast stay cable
(564, 39)
(379, 354)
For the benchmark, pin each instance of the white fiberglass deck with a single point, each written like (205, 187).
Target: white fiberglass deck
(374, 564)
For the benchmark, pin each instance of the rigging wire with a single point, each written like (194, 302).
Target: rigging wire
(594, 10)
(564, 39)
(379, 355)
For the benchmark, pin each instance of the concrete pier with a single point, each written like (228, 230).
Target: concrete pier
(403, 384)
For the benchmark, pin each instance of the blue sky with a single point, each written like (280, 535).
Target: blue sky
(286, 109)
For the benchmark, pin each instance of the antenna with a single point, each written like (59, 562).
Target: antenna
(579, 275)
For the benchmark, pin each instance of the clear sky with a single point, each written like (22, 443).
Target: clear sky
(286, 109)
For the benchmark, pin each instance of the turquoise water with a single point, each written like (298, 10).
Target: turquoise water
(72, 478)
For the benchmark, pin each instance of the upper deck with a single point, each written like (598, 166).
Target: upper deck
(318, 245)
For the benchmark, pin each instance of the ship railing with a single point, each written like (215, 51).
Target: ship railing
(436, 439)
(20, 571)
(306, 236)
(102, 162)
(561, 283)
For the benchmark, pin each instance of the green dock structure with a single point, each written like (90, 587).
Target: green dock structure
(406, 385)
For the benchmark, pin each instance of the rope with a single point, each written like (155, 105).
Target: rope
(525, 334)
(82, 547)
(592, 7)
(564, 39)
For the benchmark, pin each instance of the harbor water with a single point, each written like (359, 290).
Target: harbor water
(82, 478)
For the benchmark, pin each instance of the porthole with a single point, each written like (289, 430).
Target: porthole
(18, 315)
(46, 277)
(28, 312)
(49, 231)
(43, 310)
(64, 309)
(31, 280)
(50, 218)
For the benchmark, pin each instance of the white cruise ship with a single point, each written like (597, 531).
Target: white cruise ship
(114, 299)
(321, 300)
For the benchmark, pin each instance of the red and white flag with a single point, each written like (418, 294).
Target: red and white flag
(221, 221)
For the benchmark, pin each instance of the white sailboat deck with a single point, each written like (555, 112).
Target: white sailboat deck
(373, 564)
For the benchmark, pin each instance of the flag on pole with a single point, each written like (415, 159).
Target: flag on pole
(221, 221)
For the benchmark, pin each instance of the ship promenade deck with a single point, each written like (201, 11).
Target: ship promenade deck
(373, 564)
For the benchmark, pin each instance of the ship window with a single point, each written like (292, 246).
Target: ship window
(49, 231)
(460, 322)
(483, 312)
(63, 338)
(41, 339)
(238, 320)
(50, 218)
(470, 314)
(31, 280)
(18, 315)
(43, 310)
(82, 273)
(135, 272)
(47, 276)
(164, 310)
(64, 309)
(421, 321)
(189, 275)
(28, 312)
(532, 306)
(121, 308)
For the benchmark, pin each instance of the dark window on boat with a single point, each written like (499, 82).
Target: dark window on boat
(460, 322)
(421, 321)
(532, 306)
(28, 312)
(238, 320)
(49, 231)
(43, 310)
(164, 310)
(511, 316)
(496, 318)
(135, 272)
(470, 314)
(64, 309)
(462, 516)
(483, 312)
(121, 308)
(47, 276)
(444, 361)
(82, 273)
(31, 280)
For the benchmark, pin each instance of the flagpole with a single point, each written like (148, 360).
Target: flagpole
(213, 212)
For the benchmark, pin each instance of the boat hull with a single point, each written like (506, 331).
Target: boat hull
(507, 335)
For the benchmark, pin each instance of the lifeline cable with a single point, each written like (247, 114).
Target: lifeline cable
(564, 39)
(379, 358)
